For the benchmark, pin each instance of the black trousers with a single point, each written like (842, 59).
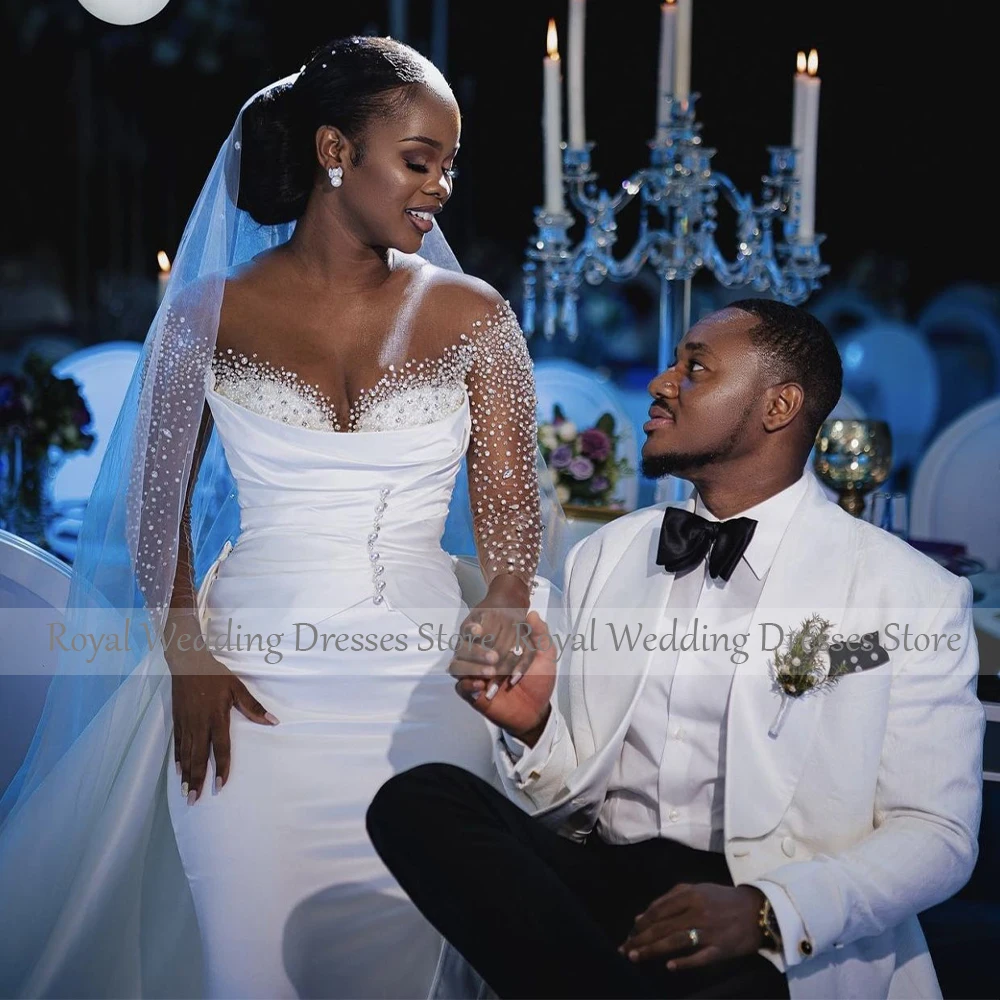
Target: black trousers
(535, 914)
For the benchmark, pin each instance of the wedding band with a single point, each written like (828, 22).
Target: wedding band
(693, 937)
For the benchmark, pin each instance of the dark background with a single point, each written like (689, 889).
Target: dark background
(110, 131)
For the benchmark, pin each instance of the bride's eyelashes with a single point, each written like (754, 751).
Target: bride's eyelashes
(420, 168)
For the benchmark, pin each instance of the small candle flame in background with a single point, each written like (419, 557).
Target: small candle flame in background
(813, 65)
(800, 62)
(163, 278)
(552, 40)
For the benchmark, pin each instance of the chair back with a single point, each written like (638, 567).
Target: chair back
(103, 373)
(891, 373)
(30, 578)
(955, 490)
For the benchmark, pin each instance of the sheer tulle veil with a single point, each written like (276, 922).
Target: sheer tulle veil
(93, 899)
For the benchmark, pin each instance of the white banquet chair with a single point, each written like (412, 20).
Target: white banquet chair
(583, 395)
(891, 372)
(962, 327)
(103, 373)
(34, 588)
(955, 490)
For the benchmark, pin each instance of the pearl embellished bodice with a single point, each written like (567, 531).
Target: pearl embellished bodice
(384, 484)
(419, 392)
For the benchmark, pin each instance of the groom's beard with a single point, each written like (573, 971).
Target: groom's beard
(682, 463)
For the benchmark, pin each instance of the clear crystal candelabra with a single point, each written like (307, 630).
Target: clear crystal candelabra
(678, 194)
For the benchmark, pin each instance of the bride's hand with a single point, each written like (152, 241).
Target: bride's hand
(204, 692)
(499, 622)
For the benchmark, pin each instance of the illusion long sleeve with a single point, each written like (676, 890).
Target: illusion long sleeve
(503, 478)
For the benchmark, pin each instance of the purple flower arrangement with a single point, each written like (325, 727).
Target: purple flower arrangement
(582, 464)
(42, 411)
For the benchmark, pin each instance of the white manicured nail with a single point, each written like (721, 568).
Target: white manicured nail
(515, 677)
(218, 784)
(184, 789)
(492, 690)
(192, 797)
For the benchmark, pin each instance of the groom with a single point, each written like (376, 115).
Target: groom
(685, 816)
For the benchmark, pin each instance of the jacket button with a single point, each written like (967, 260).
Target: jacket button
(806, 948)
(788, 847)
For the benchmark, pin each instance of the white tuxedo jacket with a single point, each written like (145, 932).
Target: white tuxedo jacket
(865, 807)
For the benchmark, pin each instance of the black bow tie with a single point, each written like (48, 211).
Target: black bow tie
(686, 538)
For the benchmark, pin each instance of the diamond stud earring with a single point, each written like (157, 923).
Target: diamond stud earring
(336, 176)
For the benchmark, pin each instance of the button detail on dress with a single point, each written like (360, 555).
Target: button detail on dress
(679, 733)
(674, 815)
(374, 557)
(806, 948)
(788, 847)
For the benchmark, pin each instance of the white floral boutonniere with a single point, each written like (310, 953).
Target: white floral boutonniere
(803, 665)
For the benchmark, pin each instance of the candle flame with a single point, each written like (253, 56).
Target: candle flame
(552, 40)
(669, 3)
(813, 62)
(164, 261)
(800, 62)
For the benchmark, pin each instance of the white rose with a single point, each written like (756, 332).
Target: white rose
(547, 438)
(566, 431)
(562, 492)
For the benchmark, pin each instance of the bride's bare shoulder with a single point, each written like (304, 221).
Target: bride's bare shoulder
(458, 302)
(252, 289)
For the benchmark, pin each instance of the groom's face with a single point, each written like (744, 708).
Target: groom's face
(703, 405)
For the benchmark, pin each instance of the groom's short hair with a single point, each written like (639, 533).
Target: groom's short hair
(797, 347)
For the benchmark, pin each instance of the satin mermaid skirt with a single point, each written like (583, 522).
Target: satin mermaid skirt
(291, 899)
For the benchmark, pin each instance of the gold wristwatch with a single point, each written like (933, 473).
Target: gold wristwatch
(768, 924)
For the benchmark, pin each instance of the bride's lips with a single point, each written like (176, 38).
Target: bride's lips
(423, 225)
(658, 417)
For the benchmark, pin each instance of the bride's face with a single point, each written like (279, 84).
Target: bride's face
(405, 176)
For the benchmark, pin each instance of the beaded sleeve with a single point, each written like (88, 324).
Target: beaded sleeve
(503, 480)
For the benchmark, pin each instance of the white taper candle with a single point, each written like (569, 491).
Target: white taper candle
(574, 72)
(552, 124)
(810, 136)
(682, 55)
(665, 79)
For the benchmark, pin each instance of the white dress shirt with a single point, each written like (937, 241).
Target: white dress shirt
(670, 778)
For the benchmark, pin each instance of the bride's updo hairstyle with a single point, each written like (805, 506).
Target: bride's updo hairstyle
(347, 84)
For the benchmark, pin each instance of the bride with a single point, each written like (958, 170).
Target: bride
(321, 385)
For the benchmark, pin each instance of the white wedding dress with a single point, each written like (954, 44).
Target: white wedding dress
(340, 536)
(111, 885)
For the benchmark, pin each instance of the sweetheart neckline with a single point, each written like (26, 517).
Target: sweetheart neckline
(211, 390)
(451, 355)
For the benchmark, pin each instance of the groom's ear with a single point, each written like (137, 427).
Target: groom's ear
(781, 405)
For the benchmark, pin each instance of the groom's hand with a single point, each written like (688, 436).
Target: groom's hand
(726, 919)
(518, 702)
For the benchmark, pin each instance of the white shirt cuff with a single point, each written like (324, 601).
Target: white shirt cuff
(529, 761)
(789, 924)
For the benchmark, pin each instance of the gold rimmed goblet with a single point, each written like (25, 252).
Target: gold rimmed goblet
(852, 457)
